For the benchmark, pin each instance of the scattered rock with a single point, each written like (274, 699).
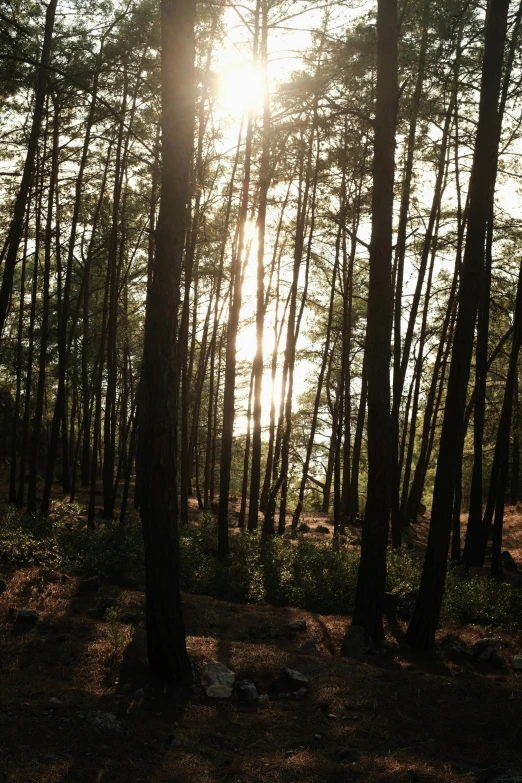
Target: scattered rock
(247, 692)
(302, 693)
(263, 698)
(218, 681)
(356, 643)
(297, 626)
(322, 529)
(508, 563)
(90, 585)
(309, 644)
(293, 678)
(318, 737)
(304, 528)
(54, 700)
(104, 720)
(484, 648)
(140, 693)
(3, 586)
(517, 663)
(27, 616)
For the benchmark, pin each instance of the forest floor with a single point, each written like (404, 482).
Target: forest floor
(77, 704)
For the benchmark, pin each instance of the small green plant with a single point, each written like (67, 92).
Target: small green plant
(114, 631)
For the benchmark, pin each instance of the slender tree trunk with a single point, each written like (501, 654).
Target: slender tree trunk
(357, 442)
(400, 254)
(246, 459)
(421, 632)
(317, 401)
(227, 435)
(16, 415)
(515, 465)
(44, 330)
(264, 184)
(30, 353)
(372, 569)
(15, 230)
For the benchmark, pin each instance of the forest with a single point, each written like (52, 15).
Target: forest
(260, 421)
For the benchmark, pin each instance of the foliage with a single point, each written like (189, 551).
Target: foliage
(315, 575)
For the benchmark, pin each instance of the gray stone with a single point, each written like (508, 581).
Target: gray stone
(517, 663)
(356, 643)
(140, 693)
(484, 648)
(293, 678)
(90, 585)
(263, 698)
(508, 563)
(104, 720)
(27, 615)
(218, 681)
(297, 626)
(322, 529)
(302, 693)
(309, 644)
(247, 692)
(218, 691)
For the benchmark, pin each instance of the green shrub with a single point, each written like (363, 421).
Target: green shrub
(316, 575)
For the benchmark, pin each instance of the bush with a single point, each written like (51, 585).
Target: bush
(316, 575)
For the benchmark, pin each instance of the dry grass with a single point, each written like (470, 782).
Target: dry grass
(396, 718)
(403, 718)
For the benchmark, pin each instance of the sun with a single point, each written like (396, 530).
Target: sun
(241, 88)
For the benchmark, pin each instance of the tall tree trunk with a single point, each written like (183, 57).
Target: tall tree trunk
(371, 581)
(60, 403)
(400, 254)
(515, 464)
(264, 184)
(16, 415)
(208, 489)
(317, 401)
(227, 435)
(30, 352)
(421, 632)
(44, 329)
(357, 441)
(156, 457)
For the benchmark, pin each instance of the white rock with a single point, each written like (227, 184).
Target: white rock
(218, 681)
(517, 663)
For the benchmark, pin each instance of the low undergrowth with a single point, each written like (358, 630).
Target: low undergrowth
(315, 575)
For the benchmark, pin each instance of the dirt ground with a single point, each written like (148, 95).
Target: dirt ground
(77, 704)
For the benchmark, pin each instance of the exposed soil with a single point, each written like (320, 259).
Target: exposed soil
(393, 717)
(77, 703)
